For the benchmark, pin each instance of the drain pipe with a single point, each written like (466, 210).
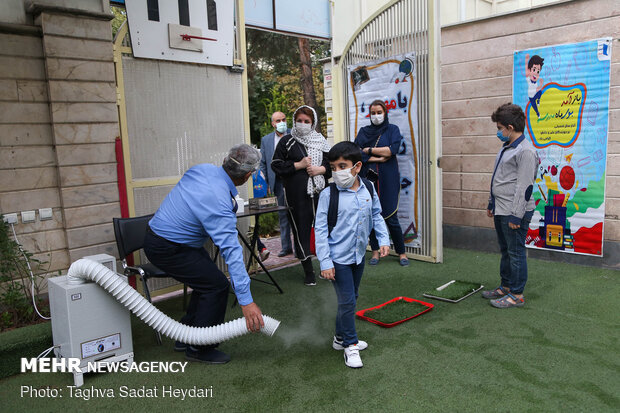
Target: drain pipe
(84, 270)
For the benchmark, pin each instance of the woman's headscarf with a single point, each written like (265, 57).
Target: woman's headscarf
(368, 135)
(315, 145)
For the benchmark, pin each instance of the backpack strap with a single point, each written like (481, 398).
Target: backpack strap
(332, 210)
(370, 187)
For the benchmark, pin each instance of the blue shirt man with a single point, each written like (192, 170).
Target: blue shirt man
(199, 207)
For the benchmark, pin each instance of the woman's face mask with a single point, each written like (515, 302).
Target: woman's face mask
(344, 178)
(303, 128)
(377, 119)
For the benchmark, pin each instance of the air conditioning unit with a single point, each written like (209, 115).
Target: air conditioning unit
(88, 323)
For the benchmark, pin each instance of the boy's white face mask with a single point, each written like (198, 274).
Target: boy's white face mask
(344, 178)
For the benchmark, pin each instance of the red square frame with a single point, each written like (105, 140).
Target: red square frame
(360, 313)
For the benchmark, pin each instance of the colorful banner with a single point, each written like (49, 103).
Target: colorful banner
(564, 91)
(393, 81)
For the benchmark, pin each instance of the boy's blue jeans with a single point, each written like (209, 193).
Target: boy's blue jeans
(513, 264)
(346, 284)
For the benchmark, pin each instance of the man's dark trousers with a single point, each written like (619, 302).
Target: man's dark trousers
(194, 267)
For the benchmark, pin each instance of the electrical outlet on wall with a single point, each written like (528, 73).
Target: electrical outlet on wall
(45, 213)
(10, 218)
(28, 216)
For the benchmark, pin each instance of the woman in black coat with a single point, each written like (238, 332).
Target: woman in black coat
(300, 160)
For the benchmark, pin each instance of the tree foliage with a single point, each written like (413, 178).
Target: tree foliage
(274, 78)
(16, 296)
(120, 16)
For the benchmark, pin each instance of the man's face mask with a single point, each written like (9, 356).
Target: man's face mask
(281, 127)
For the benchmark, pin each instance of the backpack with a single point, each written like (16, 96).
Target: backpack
(334, 196)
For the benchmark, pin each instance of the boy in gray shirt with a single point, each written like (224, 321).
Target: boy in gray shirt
(511, 205)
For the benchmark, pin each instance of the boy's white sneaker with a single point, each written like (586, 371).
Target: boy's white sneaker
(352, 357)
(337, 344)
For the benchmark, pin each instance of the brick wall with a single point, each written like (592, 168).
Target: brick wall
(82, 93)
(58, 124)
(477, 77)
(28, 169)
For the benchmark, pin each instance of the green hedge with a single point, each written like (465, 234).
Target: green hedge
(26, 342)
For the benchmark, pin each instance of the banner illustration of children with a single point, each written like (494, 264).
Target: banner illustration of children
(564, 91)
(392, 80)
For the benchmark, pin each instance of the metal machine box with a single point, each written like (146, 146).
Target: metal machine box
(267, 202)
(88, 323)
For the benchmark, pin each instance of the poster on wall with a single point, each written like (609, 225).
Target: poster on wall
(564, 91)
(393, 81)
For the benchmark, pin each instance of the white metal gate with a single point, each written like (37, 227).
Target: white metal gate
(410, 26)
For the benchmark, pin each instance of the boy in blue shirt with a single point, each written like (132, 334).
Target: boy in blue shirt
(341, 251)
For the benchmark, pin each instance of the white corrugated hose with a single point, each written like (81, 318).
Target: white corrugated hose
(84, 269)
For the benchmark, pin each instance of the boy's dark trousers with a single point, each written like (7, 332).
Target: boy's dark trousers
(346, 284)
(513, 265)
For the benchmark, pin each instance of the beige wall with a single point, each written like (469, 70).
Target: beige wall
(28, 169)
(477, 77)
(454, 11)
(58, 124)
(82, 93)
(16, 11)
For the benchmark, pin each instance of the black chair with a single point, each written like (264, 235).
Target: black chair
(130, 233)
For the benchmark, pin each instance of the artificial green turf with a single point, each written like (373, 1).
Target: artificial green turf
(458, 289)
(35, 338)
(557, 353)
(395, 311)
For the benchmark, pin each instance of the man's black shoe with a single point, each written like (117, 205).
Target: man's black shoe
(178, 346)
(284, 253)
(209, 355)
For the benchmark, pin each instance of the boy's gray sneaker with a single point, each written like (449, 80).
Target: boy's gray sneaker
(495, 293)
(352, 357)
(505, 303)
(337, 344)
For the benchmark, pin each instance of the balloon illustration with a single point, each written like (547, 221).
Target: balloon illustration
(567, 178)
(405, 67)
